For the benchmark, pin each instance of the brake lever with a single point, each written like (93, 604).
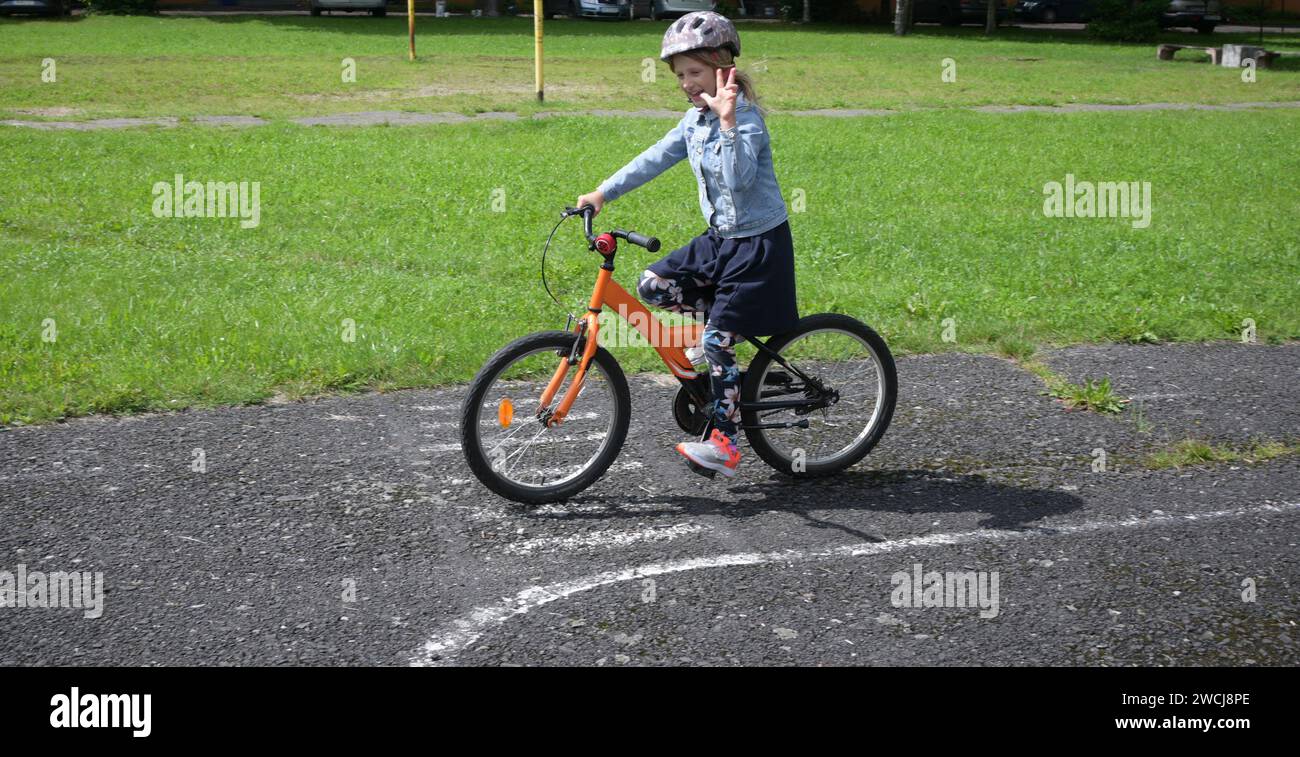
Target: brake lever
(586, 219)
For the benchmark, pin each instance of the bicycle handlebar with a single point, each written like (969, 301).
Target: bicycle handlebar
(641, 240)
(638, 239)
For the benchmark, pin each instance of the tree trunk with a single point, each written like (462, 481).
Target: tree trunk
(807, 11)
(902, 16)
(991, 20)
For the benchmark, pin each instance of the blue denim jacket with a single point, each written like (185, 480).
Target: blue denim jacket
(739, 196)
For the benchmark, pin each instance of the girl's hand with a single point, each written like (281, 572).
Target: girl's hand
(724, 102)
(595, 199)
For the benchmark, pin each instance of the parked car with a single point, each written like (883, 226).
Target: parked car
(1053, 11)
(373, 7)
(654, 9)
(675, 8)
(1201, 15)
(598, 8)
(956, 12)
(36, 7)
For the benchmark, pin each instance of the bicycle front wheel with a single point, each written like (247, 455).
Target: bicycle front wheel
(847, 362)
(506, 442)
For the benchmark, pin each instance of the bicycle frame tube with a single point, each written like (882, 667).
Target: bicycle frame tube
(668, 341)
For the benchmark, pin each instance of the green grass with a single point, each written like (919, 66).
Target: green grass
(1092, 394)
(288, 66)
(1193, 452)
(1015, 346)
(1137, 411)
(910, 220)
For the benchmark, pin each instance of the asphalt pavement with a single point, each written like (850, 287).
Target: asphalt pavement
(348, 531)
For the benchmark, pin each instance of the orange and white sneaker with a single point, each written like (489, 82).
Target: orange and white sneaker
(717, 455)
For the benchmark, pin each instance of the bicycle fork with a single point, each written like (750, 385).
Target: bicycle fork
(587, 330)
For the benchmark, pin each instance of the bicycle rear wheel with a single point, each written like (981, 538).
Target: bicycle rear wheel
(853, 367)
(506, 443)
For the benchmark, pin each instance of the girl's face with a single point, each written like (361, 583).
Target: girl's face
(694, 77)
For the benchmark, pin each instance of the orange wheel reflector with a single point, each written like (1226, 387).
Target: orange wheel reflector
(505, 412)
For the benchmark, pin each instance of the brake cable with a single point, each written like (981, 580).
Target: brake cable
(564, 217)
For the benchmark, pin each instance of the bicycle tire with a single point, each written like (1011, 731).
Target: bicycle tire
(479, 463)
(758, 369)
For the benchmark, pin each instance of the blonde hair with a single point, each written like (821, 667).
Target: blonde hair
(711, 58)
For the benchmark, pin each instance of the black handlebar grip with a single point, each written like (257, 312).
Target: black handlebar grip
(650, 243)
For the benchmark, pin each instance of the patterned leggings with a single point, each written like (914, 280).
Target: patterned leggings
(693, 295)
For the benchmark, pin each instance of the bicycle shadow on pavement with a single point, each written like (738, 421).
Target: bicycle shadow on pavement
(904, 491)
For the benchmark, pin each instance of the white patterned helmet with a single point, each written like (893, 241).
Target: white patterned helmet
(700, 29)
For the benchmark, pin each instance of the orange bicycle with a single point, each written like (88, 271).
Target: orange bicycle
(547, 415)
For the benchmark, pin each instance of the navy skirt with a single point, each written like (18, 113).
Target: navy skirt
(749, 279)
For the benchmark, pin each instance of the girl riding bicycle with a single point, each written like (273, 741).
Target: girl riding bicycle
(738, 276)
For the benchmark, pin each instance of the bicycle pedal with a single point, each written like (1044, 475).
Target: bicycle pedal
(700, 469)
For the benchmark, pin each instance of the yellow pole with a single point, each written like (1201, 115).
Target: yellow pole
(538, 12)
(410, 18)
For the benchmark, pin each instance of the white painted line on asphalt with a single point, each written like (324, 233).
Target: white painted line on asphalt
(602, 539)
(564, 510)
(440, 448)
(455, 636)
(440, 424)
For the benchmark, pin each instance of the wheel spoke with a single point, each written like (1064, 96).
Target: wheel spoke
(524, 448)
